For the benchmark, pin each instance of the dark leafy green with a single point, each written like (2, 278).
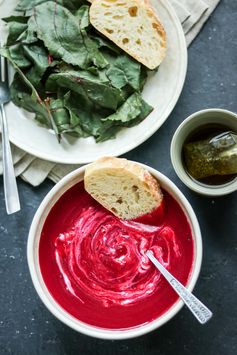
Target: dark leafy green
(16, 26)
(29, 36)
(125, 71)
(82, 15)
(30, 98)
(61, 33)
(24, 5)
(22, 96)
(73, 79)
(90, 119)
(94, 88)
(38, 57)
(102, 42)
(16, 54)
(129, 110)
(72, 5)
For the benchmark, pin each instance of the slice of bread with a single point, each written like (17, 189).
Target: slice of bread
(133, 26)
(122, 187)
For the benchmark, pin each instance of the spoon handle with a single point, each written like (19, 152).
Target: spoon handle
(199, 310)
(10, 186)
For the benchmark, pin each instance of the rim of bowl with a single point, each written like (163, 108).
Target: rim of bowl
(58, 311)
(201, 188)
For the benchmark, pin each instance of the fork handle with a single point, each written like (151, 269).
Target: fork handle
(10, 187)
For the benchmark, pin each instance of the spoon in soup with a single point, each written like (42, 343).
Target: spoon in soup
(199, 310)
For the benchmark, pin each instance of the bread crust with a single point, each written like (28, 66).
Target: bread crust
(122, 169)
(152, 22)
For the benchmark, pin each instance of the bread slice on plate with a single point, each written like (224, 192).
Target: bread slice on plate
(122, 187)
(133, 26)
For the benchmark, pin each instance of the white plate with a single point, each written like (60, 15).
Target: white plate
(162, 91)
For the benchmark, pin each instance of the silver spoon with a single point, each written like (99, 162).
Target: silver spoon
(199, 310)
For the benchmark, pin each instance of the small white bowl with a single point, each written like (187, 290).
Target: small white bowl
(33, 259)
(193, 122)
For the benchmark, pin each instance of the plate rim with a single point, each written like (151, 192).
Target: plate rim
(148, 133)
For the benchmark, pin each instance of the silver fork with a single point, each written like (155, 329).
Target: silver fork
(10, 187)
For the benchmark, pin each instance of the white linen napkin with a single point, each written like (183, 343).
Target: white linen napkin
(192, 14)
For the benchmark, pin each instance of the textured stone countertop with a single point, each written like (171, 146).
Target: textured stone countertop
(27, 327)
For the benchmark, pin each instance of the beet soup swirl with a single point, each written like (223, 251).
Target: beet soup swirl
(104, 257)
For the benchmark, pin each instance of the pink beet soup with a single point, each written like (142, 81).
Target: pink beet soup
(94, 264)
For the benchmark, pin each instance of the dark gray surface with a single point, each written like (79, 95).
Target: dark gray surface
(27, 327)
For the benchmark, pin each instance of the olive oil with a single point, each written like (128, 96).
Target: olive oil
(206, 133)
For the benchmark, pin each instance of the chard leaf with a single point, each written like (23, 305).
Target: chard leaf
(146, 109)
(83, 17)
(93, 53)
(143, 77)
(92, 88)
(124, 71)
(88, 117)
(127, 111)
(61, 34)
(93, 70)
(76, 128)
(39, 57)
(16, 26)
(133, 111)
(60, 115)
(73, 5)
(33, 92)
(73, 105)
(15, 19)
(21, 96)
(103, 42)
(108, 133)
(24, 5)
(29, 36)
(17, 55)
(7, 54)
(41, 119)
(117, 77)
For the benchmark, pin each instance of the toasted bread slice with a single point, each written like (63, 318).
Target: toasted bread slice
(133, 26)
(122, 187)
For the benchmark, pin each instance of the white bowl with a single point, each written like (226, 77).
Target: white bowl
(193, 122)
(33, 260)
(161, 91)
